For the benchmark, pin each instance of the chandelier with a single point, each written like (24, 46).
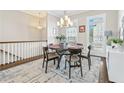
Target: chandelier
(65, 21)
(39, 23)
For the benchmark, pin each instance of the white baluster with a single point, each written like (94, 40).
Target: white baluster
(31, 49)
(43, 44)
(34, 48)
(39, 47)
(20, 51)
(8, 54)
(27, 54)
(24, 50)
(17, 51)
(11, 50)
(3, 54)
(0, 55)
(27, 50)
(15, 59)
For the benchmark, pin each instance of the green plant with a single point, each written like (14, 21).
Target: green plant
(60, 37)
(115, 41)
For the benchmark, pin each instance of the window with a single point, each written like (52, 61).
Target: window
(71, 34)
(96, 27)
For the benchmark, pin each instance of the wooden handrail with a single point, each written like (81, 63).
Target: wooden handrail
(24, 41)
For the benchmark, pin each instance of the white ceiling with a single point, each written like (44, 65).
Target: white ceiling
(57, 13)
(60, 13)
(35, 13)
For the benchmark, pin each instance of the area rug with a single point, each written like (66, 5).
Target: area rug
(89, 76)
(34, 73)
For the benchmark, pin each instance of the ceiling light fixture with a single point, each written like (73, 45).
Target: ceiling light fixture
(39, 23)
(65, 21)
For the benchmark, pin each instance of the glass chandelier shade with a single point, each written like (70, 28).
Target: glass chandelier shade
(64, 22)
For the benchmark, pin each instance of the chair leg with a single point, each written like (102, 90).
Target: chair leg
(89, 63)
(54, 61)
(65, 63)
(69, 70)
(43, 63)
(81, 69)
(46, 66)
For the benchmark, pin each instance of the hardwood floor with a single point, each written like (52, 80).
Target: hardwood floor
(6, 66)
(103, 75)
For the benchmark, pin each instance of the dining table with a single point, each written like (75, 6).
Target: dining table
(62, 49)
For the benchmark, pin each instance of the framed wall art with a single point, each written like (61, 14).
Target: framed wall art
(82, 28)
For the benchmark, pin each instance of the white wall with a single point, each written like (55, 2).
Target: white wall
(111, 22)
(18, 26)
(120, 27)
(44, 29)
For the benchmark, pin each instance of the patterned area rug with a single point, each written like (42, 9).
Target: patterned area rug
(34, 73)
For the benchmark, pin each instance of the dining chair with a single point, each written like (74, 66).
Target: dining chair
(74, 60)
(48, 56)
(87, 56)
(51, 49)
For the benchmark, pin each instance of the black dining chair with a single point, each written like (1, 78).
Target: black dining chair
(51, 49)
(87, 56)
(74, 60)
(48, 56)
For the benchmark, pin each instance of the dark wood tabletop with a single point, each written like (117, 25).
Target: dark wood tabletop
(65, 47)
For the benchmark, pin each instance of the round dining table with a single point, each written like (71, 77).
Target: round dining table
(62, 49)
